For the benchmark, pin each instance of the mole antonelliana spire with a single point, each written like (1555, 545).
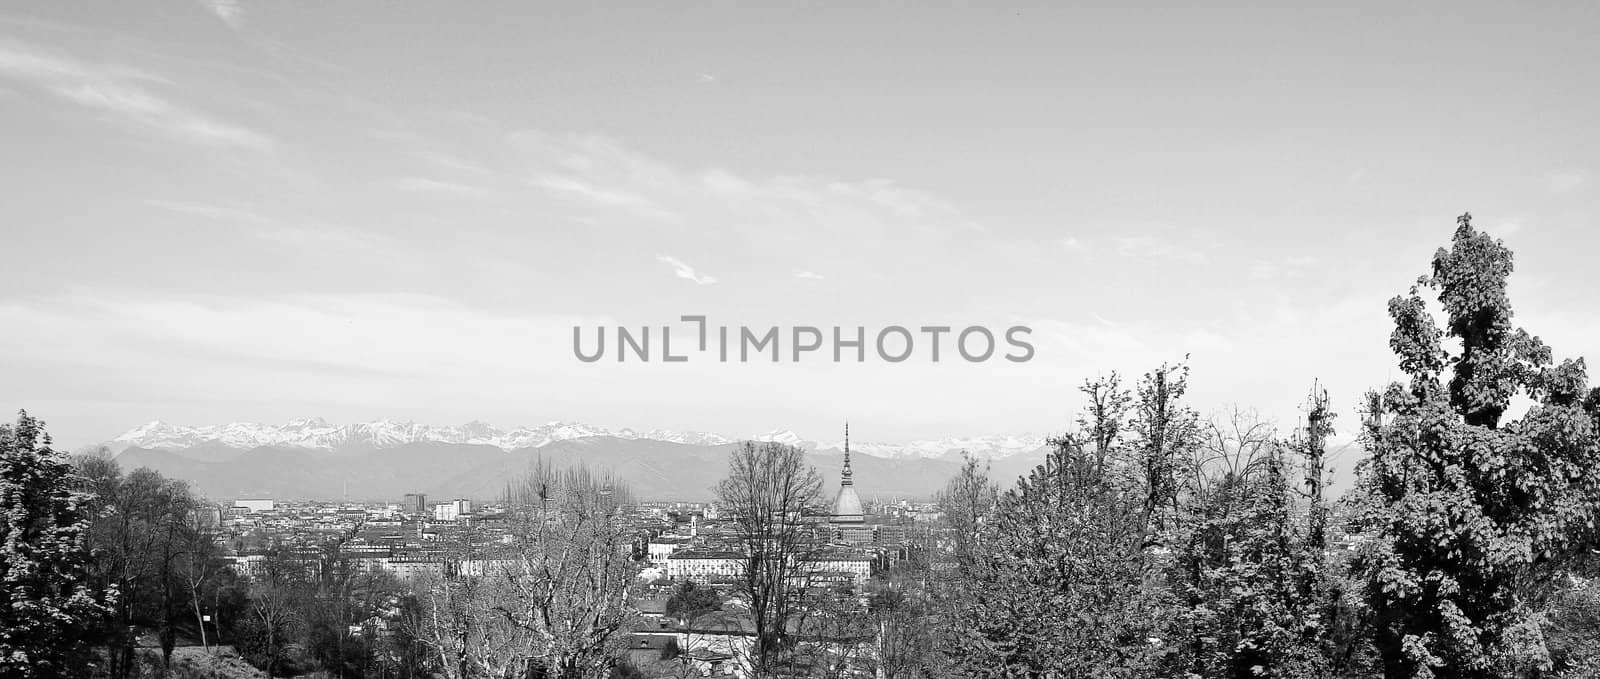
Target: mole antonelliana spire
(844, 479)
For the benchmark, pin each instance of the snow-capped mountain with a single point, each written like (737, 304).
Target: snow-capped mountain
(319, 434)
(982, 447)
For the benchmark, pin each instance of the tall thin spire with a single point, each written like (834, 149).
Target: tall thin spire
(844, 476)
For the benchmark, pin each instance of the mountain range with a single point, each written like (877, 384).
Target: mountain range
(313, 459)
(318, 434)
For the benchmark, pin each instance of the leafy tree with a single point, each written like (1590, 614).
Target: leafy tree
(1473, 510)
(690, 601)
(46, 603)
(1573, 637)
(1064, 591)
(151, 550)
(1168, 433)
(966, 503)
(1252, 587)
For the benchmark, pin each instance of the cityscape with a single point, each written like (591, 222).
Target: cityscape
(799, 340)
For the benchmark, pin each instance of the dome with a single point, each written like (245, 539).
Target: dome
(847, 506)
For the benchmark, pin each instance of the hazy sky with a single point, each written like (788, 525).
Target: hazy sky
(261, 211)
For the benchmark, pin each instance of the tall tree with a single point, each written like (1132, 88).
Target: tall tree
(966, 502)
(1065, 589)
(1250, 583)
(767, 488)
(46, 603)
(140, 535)
(1168, 432)
(555, 603)
(1472, 509)
(573, 570)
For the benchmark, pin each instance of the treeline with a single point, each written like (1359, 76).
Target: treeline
(1153, 543)
(108, 572)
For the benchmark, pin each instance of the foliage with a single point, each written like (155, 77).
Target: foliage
(690, 601)
(45, 603)
(1471, 510)
(1064, 591)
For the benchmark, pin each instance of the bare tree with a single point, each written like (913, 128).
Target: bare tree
(553, 604)
(464, 633)
(767, 488)
(1234, 446)
(201, 561)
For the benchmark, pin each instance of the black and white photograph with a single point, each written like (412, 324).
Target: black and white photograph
(347, 339)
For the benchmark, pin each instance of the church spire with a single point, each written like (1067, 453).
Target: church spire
(844, 476)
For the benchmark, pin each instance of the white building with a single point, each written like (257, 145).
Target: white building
(840, 565)
(696, 564)
(261, 505)
(659, 550)
(452, 510)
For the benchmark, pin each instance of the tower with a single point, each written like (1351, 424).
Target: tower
(847, 505)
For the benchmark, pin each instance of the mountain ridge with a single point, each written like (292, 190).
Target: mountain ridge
(319, 434)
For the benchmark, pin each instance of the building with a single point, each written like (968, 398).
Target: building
(408, 569)
(415, 504)
(254, 506)
(851, 567)
(847, 509)
(452, 510)
(660, 548)
(703, 564)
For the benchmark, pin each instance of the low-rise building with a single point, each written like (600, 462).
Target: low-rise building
(700, 564)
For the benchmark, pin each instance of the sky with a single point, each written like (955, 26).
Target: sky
(259, 211)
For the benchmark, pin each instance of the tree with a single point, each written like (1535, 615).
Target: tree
(1242, 565)
(1473, 511)
(1067, 592)
(767, 488)
(690, 601)
(46, 603)
(149, 555)
(1168, 432)
(554, 604)
(902, 611)
(276, 617)
(966, 502)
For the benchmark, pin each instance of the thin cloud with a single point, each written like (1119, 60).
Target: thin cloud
(231, 12)
(602, 171)
(1286, 268)
(120, 92)
(1562, 182)
(437, 187)
(1160, 249)
(602, 196)
(208, 211)
(684, 271)
(808, 275)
